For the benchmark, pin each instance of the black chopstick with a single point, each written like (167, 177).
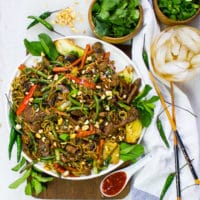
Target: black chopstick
(176, 155)
(177, 168)
(187, 158)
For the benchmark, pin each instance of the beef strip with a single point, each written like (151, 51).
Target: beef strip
(33, 118)
(111, 127)
(134, 90)
(43, 148)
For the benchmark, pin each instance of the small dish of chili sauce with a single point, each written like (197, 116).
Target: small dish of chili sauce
(114, 183)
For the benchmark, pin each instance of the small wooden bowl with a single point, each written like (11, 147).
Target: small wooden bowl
(165, 20)
(115, 40)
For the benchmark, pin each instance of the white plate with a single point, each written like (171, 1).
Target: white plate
(121, 61)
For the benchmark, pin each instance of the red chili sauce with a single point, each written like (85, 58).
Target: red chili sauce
(113, 183)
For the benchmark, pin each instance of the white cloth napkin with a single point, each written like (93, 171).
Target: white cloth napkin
(152, 177)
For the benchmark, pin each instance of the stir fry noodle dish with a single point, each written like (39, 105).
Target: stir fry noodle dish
(75, 112)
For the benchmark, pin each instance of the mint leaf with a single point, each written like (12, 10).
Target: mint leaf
(129, 152)
(145, 106)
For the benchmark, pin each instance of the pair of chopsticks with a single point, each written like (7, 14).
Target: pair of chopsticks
(173, 125)
(177, 138)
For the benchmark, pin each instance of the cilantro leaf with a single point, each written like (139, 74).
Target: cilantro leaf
(115, 18)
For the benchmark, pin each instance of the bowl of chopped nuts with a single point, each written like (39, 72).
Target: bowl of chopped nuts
(176, 12)
(66, 17)
(115, 22)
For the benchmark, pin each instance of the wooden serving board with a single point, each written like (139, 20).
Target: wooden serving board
(84, 189)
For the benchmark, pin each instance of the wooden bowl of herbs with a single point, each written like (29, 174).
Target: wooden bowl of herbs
(176, 12)
(115, 21)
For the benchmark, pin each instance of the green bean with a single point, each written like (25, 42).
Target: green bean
(96, 78)
(83, 109)
(37, 100)
(38, 72)
(40, 99)
(42, 16)
(12, 117)
(45, 88)
(13, 137)
(54, 131)
(47, 158)
(19, 165)
(21, 180)
(19, 147)
(161, 132)
(34, 142)
(58, 63)
(73, 101)
(57, 154)
(123, 105)
(97, 107)
(45, 24)
(167, 184)
(35, 80)
(145, 58)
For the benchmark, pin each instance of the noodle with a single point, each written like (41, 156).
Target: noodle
(70, 114)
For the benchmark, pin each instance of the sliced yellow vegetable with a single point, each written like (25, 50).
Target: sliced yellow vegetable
(111, 149)
(115, 156)
(127, 74)
(133, 131)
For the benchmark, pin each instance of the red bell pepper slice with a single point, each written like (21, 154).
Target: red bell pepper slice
(81, 81)
(26, 100)
(82, 133)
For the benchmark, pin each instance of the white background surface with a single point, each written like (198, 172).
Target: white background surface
(13, 22)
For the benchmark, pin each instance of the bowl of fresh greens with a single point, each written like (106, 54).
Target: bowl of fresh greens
(175, 12)
(115, 21)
